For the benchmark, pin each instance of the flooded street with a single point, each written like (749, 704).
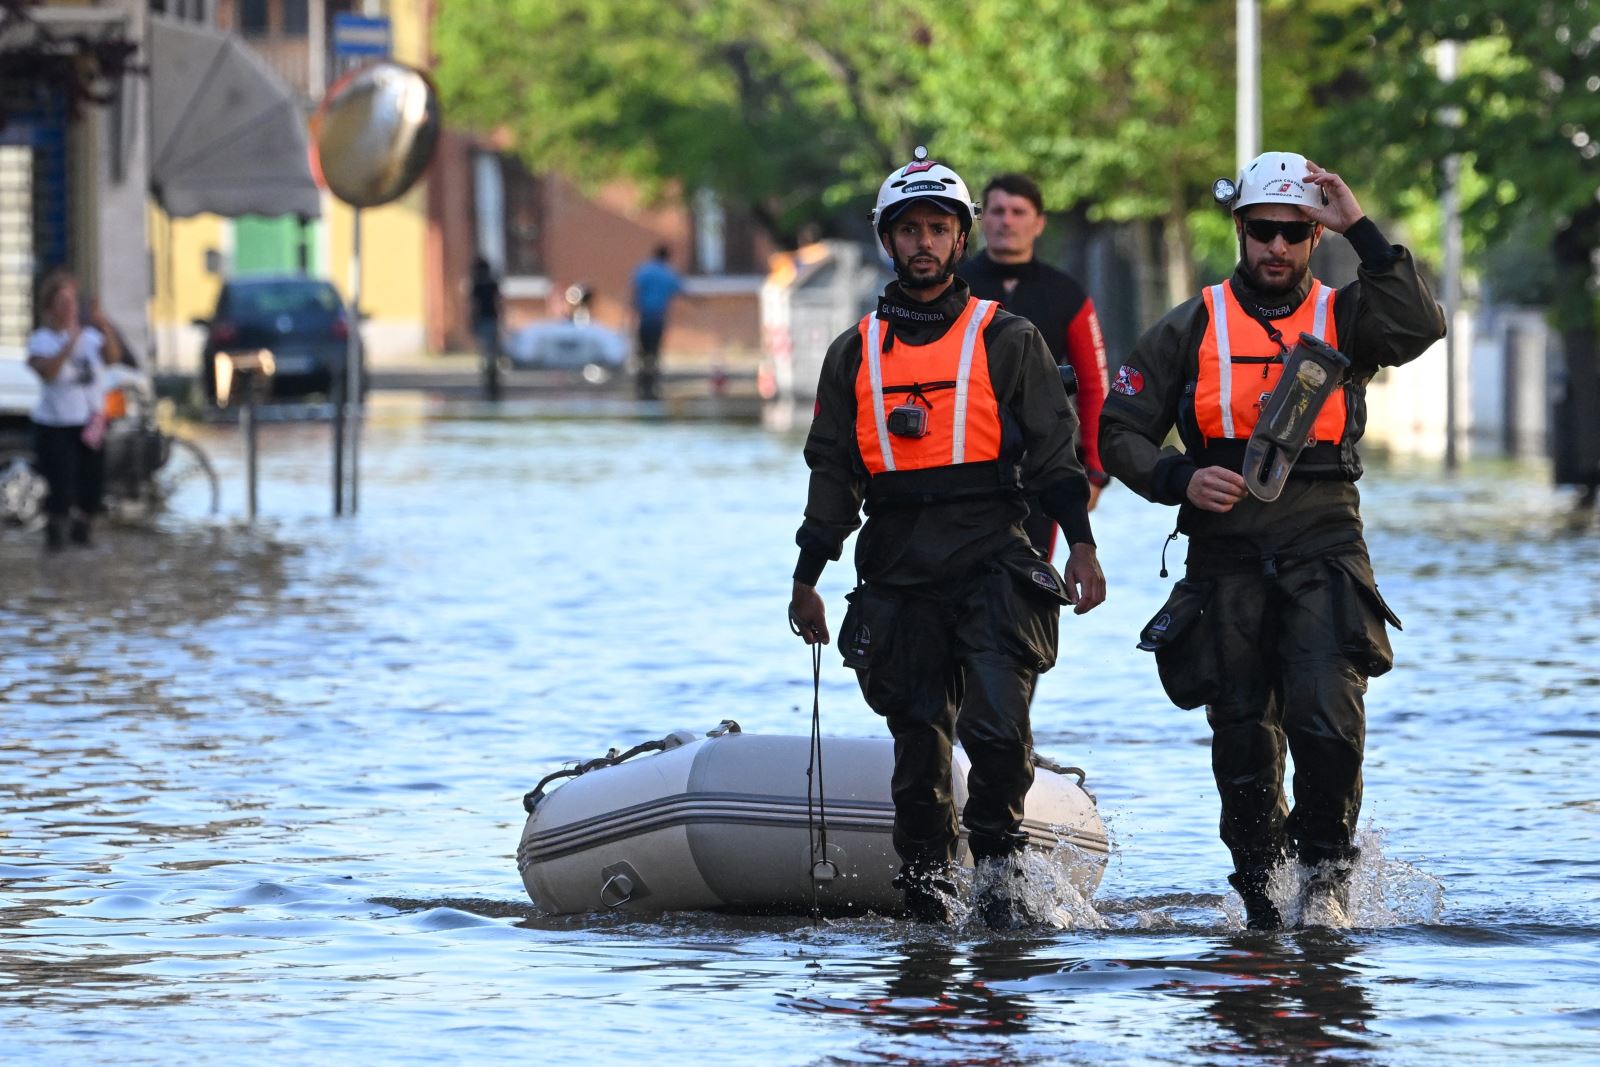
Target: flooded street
(260, 789)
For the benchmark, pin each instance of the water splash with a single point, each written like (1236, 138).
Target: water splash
(1047, 885)
(1383, 892)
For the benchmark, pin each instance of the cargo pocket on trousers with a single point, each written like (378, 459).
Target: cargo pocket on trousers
(864, 633)
(1186, 649)
(1359, 615)
(883, 658)
(1024, 598)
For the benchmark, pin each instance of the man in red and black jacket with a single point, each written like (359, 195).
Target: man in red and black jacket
(1006, 270)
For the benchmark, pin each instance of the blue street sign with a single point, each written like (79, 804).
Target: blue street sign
(359, 35)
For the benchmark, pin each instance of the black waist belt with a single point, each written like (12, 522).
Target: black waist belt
(938, 485)
(1322, 460)
(1219, 556)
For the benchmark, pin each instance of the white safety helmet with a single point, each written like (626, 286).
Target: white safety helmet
(923, 179)
(1270, 178)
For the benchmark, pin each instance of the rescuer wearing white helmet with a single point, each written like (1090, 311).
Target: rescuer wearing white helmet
(938, 411)
(1277, 624)
(923, 181)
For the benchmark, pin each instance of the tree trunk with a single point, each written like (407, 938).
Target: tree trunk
(1180, 255)
(1150, 302)
(1576, 444)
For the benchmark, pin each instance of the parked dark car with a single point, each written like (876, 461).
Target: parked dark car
(301, 321)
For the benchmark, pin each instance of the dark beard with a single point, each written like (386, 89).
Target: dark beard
(1261, 287)
(1273, 291)
(902, 272)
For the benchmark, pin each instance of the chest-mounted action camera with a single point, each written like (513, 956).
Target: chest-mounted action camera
(908, 420)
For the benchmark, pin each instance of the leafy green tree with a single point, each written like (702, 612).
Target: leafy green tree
(1523, 114)
(1127, 109)
(785, 108)
(792, 107)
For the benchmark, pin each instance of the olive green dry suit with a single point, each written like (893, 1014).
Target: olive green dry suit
(1278, 624)
(954, 615)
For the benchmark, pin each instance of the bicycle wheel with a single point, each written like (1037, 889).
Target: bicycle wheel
(22, 491)
(186, 482)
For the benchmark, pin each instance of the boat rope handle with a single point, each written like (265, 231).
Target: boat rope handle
(1051, 765)
(530, 799)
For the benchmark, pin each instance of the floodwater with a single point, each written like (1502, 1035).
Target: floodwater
(260, 788)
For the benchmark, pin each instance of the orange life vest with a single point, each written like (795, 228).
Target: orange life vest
(1240, 364)
(949, 378)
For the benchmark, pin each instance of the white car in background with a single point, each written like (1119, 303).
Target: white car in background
(561, 344)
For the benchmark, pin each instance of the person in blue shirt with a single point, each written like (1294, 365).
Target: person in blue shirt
(655, 286)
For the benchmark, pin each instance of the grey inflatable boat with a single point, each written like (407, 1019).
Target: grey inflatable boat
(723, 822)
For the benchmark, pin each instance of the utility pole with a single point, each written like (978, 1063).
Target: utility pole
(1449, 201)
(1247, 97)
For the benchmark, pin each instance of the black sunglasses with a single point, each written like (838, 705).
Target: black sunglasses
(1265, 230)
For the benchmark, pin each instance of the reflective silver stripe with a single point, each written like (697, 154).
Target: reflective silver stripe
(1219, 318)
(1319, 324)
(875, 371)
(958, 447)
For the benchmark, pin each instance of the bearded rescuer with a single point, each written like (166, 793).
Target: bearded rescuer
(1277, 624)
(937, 413)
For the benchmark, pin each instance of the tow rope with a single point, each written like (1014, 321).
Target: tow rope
(823, 869)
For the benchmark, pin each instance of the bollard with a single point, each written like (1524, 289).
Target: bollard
(251, 371)
(247, 420)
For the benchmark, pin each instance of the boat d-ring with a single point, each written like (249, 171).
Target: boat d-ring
(622, 885)
(617, 891)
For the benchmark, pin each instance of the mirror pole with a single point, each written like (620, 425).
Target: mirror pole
(352, 364)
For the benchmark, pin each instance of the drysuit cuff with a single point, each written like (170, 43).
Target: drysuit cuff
(1067, 502)
(1169, 483)
(1370, 244)
(809, 567)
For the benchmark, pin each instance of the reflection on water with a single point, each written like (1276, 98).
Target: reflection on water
(260, 788)
(1288, 999)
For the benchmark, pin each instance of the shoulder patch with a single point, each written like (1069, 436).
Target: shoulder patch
(1128, 382)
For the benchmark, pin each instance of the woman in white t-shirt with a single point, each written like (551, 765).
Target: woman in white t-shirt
(69, 420)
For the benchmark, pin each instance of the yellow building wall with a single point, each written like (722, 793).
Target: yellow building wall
(184, 289)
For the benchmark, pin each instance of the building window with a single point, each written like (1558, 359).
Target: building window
(193, 10)
(524, 218)
(17, 261)
(296, 18)
(508, 212)
(253, 16)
